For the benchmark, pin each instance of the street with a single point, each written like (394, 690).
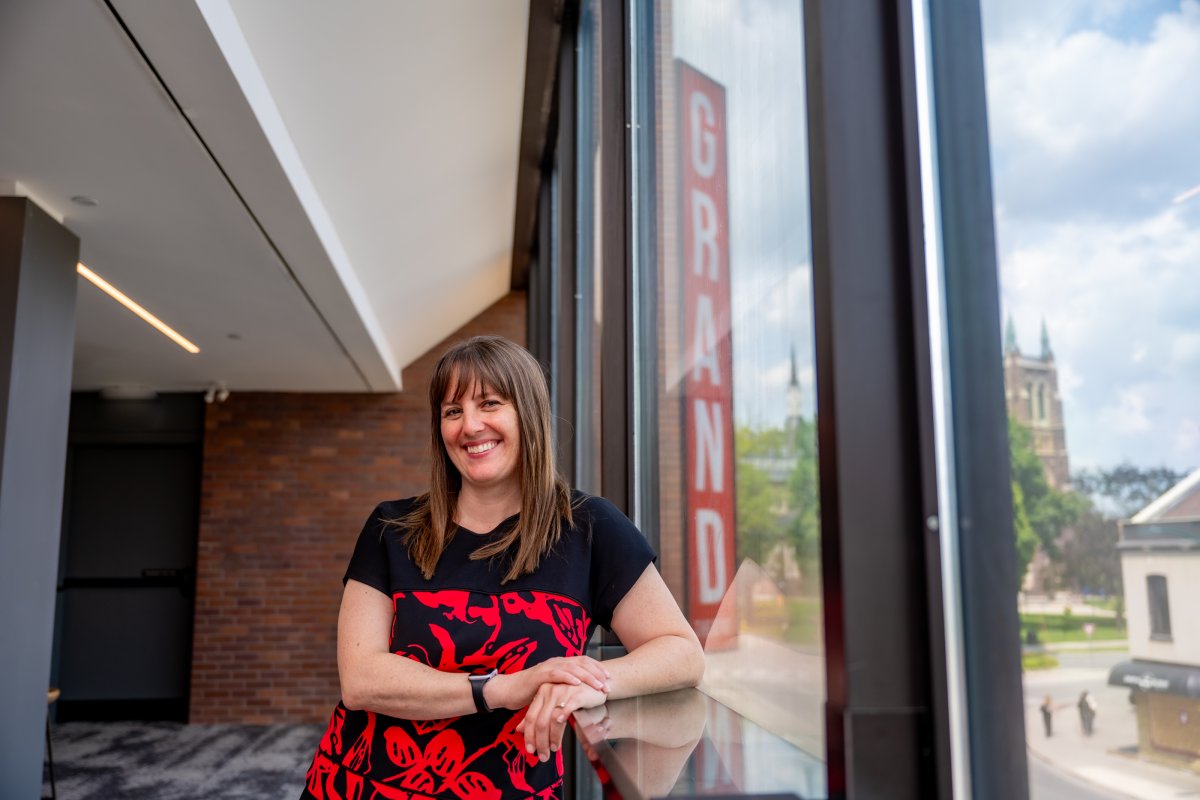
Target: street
(1071, 766)
(1047, 783)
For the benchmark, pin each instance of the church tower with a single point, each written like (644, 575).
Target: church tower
(1031, 393)
(795, 400)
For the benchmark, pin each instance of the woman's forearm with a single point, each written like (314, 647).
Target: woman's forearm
(659, 665)
(400, 687)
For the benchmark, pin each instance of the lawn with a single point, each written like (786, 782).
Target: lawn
(796, 620)
(1032, 661)
(1069, 628)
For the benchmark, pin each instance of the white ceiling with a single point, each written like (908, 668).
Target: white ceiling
(335, 198)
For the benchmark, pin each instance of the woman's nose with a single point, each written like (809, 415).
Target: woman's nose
(472, 420)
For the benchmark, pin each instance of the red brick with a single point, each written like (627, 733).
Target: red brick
(288, 479)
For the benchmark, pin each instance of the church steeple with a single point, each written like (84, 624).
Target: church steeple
(1047, 353)
(1010, 337)
(794, 397)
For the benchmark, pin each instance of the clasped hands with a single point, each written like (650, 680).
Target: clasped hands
(552, 690)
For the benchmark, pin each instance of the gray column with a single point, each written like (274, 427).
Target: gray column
(37, 338)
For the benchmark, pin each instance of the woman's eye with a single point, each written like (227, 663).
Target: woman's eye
(450, 412)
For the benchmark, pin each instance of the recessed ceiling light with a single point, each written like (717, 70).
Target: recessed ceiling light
(149, 318)
(128, 392)
(84, 200)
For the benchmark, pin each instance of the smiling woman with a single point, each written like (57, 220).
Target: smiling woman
(489, 587)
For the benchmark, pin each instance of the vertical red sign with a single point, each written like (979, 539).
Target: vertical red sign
(708, 349)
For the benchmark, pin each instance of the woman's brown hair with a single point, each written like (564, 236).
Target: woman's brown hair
(508, 369)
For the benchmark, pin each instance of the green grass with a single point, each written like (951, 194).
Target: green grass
(796, 620)
(1069, 628)
(1032, 661)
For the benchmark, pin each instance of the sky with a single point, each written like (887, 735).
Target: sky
(754, 48)
(1094, 120)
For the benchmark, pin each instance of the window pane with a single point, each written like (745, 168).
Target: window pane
(1160, 610)
(722, 260)
(589, 268)
(1095, 138)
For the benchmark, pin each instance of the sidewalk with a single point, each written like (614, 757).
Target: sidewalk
(1105, 759)
(1098, 645)
(1078, 605)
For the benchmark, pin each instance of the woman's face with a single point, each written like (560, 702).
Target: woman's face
(482, 435)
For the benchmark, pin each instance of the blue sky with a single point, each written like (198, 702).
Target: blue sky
(1095, 131)
(1095, 128)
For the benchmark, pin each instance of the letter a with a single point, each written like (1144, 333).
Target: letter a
(704, 342)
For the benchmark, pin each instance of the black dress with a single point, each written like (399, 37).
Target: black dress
(463, 620)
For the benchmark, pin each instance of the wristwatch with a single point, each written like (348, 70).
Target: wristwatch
(477, 684)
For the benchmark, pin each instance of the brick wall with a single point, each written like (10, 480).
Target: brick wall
(288, 481)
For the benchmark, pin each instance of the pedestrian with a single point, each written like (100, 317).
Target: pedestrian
(1087, 712)
(1047, 709)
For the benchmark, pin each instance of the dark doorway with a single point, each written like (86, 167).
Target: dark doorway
(126, 592)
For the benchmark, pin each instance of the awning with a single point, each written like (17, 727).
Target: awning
(1154, 676)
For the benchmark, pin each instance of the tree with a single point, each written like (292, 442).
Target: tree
(757, 525)
(1090, 560)
(1027, 540)
(1125, 489)
(804, 498)
(777, 493)
(1048, 510)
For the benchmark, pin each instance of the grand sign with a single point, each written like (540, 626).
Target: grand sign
(708, 351)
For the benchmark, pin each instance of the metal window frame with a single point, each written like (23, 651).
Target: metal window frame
(874, 444)
(983, 486)
(885, 557)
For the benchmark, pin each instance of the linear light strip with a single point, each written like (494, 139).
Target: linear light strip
(150, 319)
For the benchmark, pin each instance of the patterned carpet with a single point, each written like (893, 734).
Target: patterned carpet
(170, 761)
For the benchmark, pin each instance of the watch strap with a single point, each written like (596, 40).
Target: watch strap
(477, 684)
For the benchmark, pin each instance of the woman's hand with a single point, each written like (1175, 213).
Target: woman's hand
(593, 725)
(547, 716)
(517, 689)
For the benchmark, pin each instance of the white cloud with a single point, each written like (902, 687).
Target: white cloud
(1095, 128)
(1187, 440)
(1122, 306)
(1087, 121)
(1128, 415)
(1068, 382)
(1185, 351)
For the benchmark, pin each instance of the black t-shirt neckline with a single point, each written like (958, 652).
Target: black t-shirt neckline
(503, 526)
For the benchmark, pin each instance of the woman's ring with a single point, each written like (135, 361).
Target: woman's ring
(562, 705)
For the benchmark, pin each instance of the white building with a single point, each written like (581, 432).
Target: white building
(1160, 564)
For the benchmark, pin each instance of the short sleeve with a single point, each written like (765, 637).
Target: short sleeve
(369, 563)
(620, 554)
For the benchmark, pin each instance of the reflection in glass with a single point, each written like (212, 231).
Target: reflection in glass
(686, 744)
(731, 381)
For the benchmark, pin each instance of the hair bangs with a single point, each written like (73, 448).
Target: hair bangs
(468, 367)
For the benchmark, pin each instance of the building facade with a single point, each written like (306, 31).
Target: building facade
(1160, 566)
(1032, 396)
